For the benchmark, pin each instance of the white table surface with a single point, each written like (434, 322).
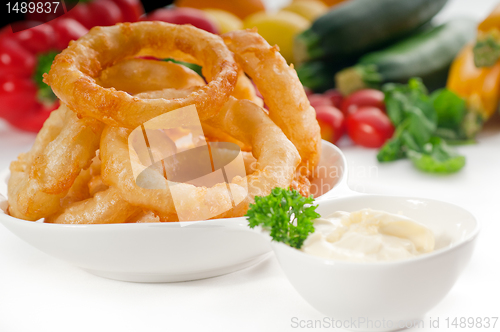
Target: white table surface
(40, 293)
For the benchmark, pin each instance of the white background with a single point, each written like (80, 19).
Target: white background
(40, 293)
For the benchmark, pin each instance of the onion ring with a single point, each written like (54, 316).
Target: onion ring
(117, 172)
(140, 75)
(242, 119)
(73, 72)
(106, 207)
(244, 89)
(283, 93)
(40, 178)
(277, 158)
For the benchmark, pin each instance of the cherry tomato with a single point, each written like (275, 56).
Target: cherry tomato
(67, 29)
(131, 9)
(369, 127)
(105, 13)
(183, 15)
(317, 100)
(331, 121)
(15, 59)
(335, 97)
(366, 97)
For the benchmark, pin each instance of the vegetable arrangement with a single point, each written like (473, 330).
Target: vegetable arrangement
(390, 45)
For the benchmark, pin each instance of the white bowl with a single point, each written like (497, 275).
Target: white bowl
(160, 252)
(397, 293)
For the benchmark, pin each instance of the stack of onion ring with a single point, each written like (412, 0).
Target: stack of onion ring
(79, 170)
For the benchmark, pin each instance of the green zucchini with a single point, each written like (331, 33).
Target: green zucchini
(319, 75)
(427, 55)
(359, 26)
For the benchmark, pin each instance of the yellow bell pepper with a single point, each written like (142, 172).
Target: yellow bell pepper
(487, 48)
(480, 87)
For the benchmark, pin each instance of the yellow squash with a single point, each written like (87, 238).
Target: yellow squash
(278, 29)
(224, 20)
(309, 9)
(480, 87)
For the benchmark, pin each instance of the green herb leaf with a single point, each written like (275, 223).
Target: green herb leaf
(419, 119)
(392, 150)
(438, 157)
(44, 94)
(450, 109)
(285, 214)
(420, 127)
(192, 66)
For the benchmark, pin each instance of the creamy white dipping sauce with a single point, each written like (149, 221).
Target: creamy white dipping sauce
(368, 236)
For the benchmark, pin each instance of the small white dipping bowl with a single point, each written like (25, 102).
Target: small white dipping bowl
(398, 292)
(162, 252)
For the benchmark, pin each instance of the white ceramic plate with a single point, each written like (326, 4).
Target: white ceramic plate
(162, 252)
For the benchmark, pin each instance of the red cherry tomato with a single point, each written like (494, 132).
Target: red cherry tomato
(67, 29)
(105, 13)
(369, 127)
(15, 59)
(366, 97)
(335, 97)
(183, 15)
(331, 121)
(317, 100)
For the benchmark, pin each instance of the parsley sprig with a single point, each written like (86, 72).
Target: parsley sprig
(286, 214)
(425, 124)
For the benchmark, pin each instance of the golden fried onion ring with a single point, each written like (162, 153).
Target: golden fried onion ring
(141, 75)
(106, 207)
(277, 160)
(283, 93)
(74, 71)
(40, 178)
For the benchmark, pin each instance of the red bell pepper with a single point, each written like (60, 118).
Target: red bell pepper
(25, 101)
(91, 13)
(183, 15)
